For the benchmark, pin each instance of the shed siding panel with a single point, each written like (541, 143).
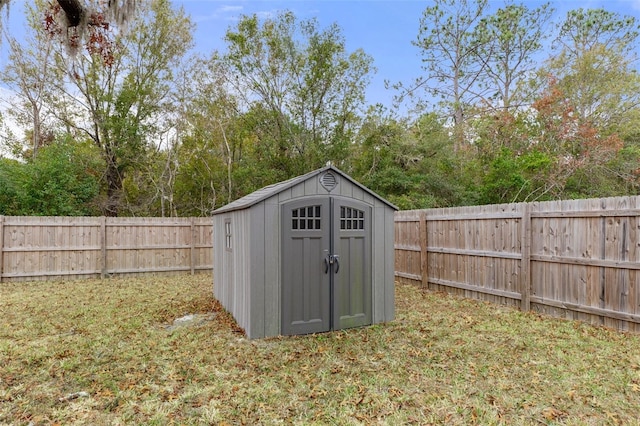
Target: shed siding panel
(256, 282)
(297, 191)
(379, 271)
(358, 193)
(242, 264)
(217, 261)
(345, 188)
(238, 269)
(311, 186)
(285, 195)
(272, 251)
(221, 281)
(370, 199)
(387, 253)
(231, 270)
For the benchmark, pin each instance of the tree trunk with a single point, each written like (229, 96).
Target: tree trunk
(114, 186)
(74, 10)
(36, 129)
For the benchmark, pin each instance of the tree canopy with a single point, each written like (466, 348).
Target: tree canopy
(119, 117)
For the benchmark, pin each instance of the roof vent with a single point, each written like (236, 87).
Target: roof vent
(328, 181)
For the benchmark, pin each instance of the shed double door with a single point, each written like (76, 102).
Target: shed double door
(326, 265)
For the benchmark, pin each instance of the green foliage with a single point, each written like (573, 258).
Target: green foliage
(411, 164)
(503, 179)
(300, 86)
(508, 43)
(617, 177)
(175, 137)
(449, 48)
(63, 180)
(513, 177)
(122, 104)
(281, 101)
(585, 29)
(603, 85)
(9, 186)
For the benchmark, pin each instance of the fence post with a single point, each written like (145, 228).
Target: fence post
(1, 247)
(424, 259)
(192, 248)
(103, 245)
(525, 266)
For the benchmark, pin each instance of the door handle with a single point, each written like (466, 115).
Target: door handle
(330, 260)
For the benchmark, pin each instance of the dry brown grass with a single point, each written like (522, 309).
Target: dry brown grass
(443, 360)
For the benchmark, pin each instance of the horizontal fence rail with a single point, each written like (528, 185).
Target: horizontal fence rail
(577, 259)
(34, 248)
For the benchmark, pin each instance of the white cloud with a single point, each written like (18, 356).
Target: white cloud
(225, 9)
(267, 14)
(221, 12)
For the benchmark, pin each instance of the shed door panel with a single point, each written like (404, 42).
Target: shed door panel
(306, 290)
(352, 281)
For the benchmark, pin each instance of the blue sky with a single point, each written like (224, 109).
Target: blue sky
(382, 28)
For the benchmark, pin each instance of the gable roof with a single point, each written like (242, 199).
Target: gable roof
(270, 190)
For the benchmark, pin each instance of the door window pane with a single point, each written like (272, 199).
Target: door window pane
(306, 218)
(351, 218)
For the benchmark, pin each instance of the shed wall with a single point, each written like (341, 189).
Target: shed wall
(232, 269)
(383, 263)
(247, 279)
(271, 273)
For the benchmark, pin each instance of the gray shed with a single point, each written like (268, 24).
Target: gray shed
(310, 254)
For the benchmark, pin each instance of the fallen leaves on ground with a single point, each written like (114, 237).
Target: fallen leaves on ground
(443, 360)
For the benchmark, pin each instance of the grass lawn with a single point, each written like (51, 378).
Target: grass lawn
(98, 352)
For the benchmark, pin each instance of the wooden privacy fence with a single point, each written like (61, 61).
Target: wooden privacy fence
(35, 248)
(577, 259)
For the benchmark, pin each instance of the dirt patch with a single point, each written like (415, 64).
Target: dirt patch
(190, 320)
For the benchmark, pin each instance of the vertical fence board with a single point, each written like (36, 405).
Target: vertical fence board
(103, 247)
(424, 243)
(192, 242)
(408, 260)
